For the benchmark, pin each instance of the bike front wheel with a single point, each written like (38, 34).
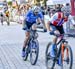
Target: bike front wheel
(34, 52)
(50, 62)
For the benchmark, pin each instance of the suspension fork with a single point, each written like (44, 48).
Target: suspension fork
(62, 51)
(63, 48)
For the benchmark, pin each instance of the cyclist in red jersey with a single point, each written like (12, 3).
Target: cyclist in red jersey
(55, 25)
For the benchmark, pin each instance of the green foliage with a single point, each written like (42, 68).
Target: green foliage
(10, 3)
(44, 2)
(38, 0)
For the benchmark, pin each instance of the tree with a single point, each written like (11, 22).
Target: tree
(45, 2)
(38, 0)
(10, 3)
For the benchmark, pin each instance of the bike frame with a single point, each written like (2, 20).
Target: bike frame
(32, 37)
(61, 47)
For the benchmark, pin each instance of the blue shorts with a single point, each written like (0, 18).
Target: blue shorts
(28, 25)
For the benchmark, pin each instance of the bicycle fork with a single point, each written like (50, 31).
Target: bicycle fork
(64, 44)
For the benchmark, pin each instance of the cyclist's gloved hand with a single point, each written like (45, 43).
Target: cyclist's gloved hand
(24, 28)
(38, 23)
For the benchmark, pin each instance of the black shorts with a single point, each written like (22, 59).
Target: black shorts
(28, 25)
(59, 28)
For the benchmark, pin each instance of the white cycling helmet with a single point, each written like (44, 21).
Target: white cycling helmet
(35, 9)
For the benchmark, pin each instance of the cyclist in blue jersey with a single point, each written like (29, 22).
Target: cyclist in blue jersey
(30, 21)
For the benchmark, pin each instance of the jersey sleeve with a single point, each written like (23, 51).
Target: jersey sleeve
(27, 14)
(53, 18)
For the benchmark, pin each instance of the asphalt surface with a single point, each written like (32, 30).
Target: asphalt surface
(11, 42)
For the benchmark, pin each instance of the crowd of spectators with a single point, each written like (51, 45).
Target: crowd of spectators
(21, 10)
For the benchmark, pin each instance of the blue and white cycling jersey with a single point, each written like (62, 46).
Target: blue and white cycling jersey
(31, 18)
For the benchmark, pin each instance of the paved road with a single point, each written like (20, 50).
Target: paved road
(11, 42)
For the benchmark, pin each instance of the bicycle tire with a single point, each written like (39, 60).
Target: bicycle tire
(2, 21)
(68, 59)
(26, 56)
(48, 57)
(33, 62)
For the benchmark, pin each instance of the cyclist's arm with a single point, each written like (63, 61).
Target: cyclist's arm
(41, 16)
(51, 20)
(65, 19)
(48, 26)
(42, 20)
(38, 21)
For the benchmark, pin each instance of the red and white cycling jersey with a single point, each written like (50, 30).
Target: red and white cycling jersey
(56, 19)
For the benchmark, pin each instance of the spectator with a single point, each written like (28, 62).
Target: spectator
(58, 8)
(66, 9)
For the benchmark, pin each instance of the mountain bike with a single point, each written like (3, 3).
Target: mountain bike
(32, 48)
(63, 55)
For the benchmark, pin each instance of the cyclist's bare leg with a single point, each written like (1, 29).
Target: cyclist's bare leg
(27, 34)
(53, 47)
(55, 38)
(34, 27)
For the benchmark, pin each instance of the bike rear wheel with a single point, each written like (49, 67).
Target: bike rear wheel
(67, 58)
(50, 62)
(34, 51)
(2, 20)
